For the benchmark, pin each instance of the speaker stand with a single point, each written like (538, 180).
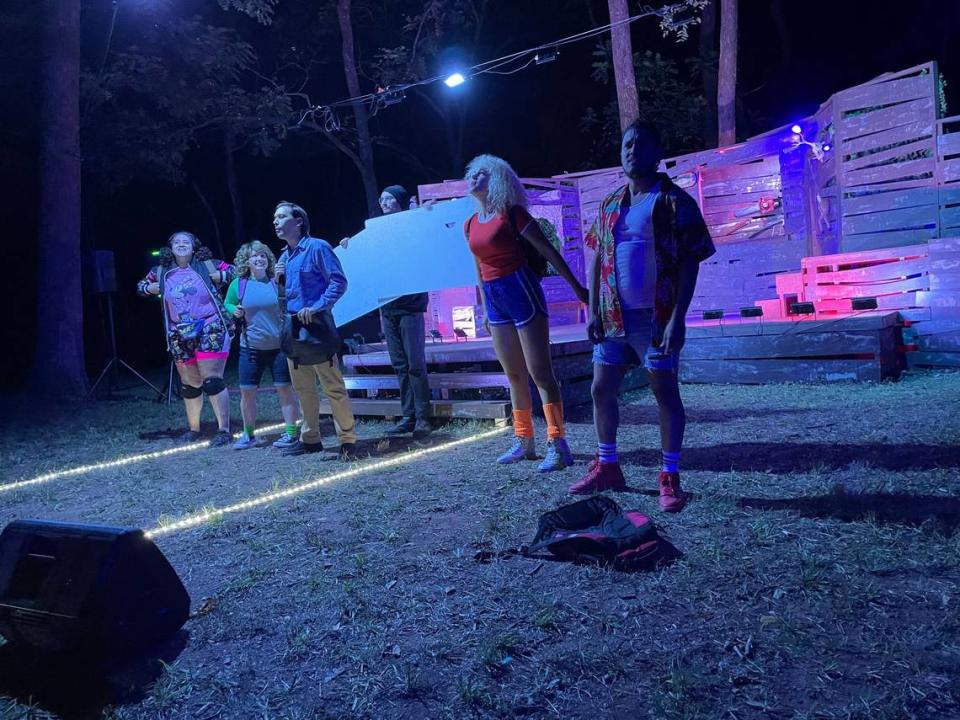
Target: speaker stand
(116, 362)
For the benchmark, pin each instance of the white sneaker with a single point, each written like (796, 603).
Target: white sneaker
(285, 441)
(245, 441)
(522, 449)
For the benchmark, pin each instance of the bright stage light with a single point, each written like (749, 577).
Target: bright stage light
(454, 80)
(796, 129)
(827, 147)
(192, 521)
(119, 462)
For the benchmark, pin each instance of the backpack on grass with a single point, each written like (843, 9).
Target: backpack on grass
(597, 531)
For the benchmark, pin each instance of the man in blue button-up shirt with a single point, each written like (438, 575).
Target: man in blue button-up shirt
(314, 281)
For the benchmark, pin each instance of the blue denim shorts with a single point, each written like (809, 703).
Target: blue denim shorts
(514, 299)
(253, 362)
(636, 347)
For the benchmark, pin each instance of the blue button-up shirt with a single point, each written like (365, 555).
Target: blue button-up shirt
(313, 276)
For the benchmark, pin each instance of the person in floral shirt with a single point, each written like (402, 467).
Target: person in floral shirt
(649, 240)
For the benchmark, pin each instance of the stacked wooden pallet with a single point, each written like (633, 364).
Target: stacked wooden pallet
(934, 332)
(467, 380)
(844, 349)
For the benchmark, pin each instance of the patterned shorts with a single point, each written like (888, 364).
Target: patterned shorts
(203, 340)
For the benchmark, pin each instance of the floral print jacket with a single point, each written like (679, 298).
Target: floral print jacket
(679, 233)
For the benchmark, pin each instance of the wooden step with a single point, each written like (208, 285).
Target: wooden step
(467, 409)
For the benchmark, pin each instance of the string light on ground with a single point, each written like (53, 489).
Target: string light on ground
(201, 518)
(119, 462)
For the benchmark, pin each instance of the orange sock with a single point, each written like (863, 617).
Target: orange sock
(523, 423)
(554, 414)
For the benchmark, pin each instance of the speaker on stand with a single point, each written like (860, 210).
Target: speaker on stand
(102, 279)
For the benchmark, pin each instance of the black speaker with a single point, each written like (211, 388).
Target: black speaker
(67, 587)
(101, 272)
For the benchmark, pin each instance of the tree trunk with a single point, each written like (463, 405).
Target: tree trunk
(623, 72)
(708, 66)
(727, 82)
(233, 188)
(364, 144)
(217, 241)
(58, 365)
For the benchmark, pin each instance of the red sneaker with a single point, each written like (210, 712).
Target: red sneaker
(672, 498)
(600, 476)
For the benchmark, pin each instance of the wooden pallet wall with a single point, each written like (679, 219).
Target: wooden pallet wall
(948, 174)
(934, 334)
(886, 142)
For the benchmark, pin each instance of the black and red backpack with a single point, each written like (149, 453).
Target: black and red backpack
(597, 531)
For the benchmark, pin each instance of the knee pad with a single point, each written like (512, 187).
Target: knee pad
(188, 392)
(214, 386)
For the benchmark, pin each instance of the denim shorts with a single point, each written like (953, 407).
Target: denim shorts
(514, 299)
(253, 362)
(636, 347)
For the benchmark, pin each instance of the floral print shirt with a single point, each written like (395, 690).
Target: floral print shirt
(680, 233)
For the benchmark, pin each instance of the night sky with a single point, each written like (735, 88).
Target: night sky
(787, 69)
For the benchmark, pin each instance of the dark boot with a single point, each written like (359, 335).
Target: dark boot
(406, 425)
(422, 428)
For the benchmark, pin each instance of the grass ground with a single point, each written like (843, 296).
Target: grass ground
(810, 587)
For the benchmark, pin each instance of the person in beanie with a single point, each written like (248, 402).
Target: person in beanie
(403, 329)
(649, 240)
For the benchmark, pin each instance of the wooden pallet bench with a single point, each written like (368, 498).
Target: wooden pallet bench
(863, 348)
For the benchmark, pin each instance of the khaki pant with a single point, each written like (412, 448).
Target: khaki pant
(331, 380)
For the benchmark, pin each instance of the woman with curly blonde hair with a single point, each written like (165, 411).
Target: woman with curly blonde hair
(252, 300)
(516, 309)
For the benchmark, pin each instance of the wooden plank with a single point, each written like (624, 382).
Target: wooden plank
(735, 187)
(748, 228)
(945, 281)
(766, 166)
(723, 213)
(948, 144)
(900, 219)
(884, 93)
(922, 128)
(756, 372)
(785, 345)
(923, 145)
(474, 409)
(940, 342)
(874, 289)
(449, 381)
(934, 359)
(855, 323)
(894, 200)
(939, 298)
(877, 272)
(846, 259)
(945, 265)
(871, 241)
(944, 244)
(949, 218)
(901, 171)
(950, 170)
(871, 122)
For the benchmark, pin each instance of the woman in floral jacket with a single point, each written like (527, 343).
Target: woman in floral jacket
(197, 326)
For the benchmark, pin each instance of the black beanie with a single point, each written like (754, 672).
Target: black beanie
(400, 193)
